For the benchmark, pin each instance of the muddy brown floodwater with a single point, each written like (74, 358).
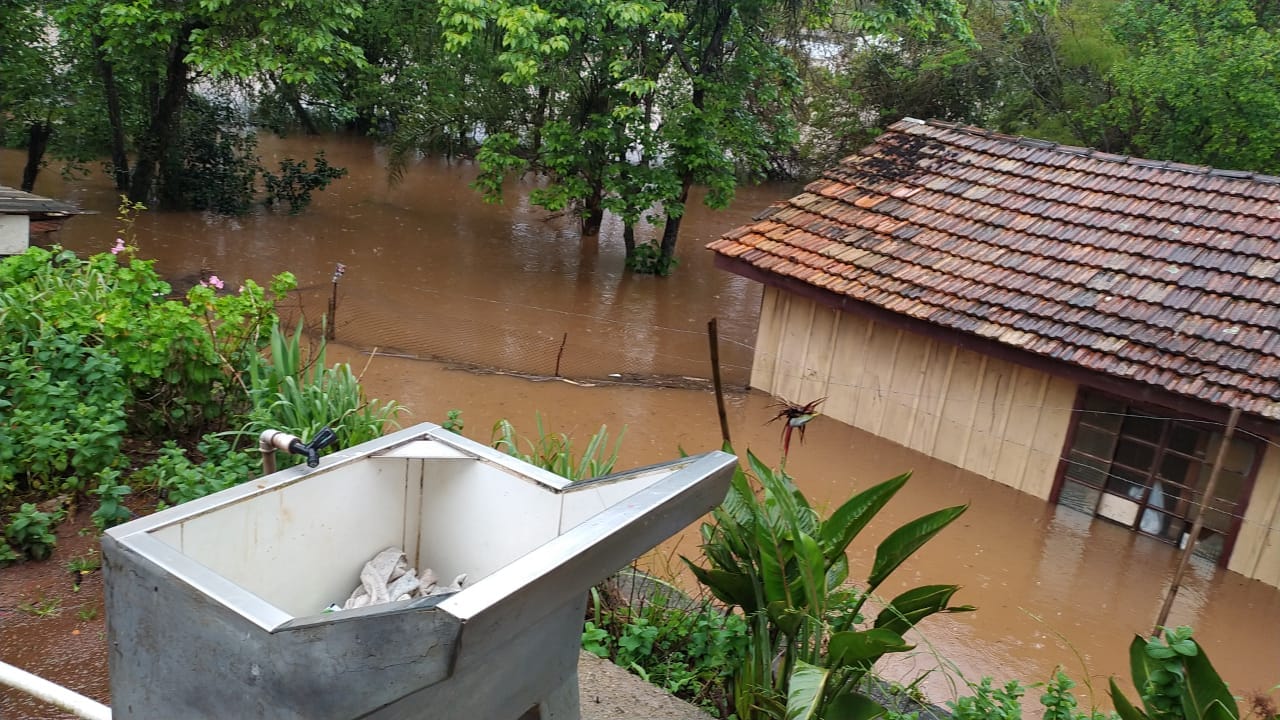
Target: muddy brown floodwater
(434, 273)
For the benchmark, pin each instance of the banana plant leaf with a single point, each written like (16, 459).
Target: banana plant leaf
(916, 604)
(804, 696)
(904, 541)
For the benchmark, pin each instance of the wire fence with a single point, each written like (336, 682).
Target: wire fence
(488, 334)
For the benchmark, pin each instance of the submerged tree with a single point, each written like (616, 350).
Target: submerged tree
(167, 46)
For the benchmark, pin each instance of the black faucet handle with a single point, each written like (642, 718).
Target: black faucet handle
(323, 439)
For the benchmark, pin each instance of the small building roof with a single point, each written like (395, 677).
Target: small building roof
(1155, 272)
(17, 202)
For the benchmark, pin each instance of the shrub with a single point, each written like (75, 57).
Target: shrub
(554, 451)
(296, 182)
(30, 532)
(92, 349)
(770, 556)
(689, 649)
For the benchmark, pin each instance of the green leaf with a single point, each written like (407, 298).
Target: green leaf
(904, 541)
(850, 705)
(729, 588)
(912, 606)
(1140, 665)
(850, 518)
(1206, 696)
(1124, 708)
(804, 694)
(855, 646)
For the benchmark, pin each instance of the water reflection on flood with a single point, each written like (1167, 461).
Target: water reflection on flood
(432, 270)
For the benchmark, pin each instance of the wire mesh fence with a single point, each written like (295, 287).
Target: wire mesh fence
(496, 335)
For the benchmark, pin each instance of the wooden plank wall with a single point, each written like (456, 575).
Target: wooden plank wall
(999, 420)
(1257, 550)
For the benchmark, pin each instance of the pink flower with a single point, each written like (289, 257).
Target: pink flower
(118, 247)
(214, 282)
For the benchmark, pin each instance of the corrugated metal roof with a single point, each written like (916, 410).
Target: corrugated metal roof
(1152, 271)
(17, 202)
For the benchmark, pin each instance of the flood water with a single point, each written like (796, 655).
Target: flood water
(433, 272)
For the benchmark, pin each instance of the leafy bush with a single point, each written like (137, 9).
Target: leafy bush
(30, 532)
(772, 558)
(646, 259)
(554, 451)
(178, 479)
(990, 703)
(1175, 681)
(689, 649)
(215, 168)
(295, 183)
(302, 396)
(110, 493)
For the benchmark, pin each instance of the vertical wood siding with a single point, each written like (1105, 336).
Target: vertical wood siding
(999, 420)
(1257, 550)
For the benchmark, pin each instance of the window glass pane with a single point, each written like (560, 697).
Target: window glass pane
(1094, 441)
(1209, 547)
(1136, 455)
(1079, 497)
(1128, 483)
(1187, 439)
(1164, 497)
(1164, 526)
(1088, 470)
(1141, 426)
(1179, 471)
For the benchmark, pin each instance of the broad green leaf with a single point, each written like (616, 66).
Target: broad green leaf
(775, 555)
(850, 705)
(904, 541)
(1124, 708)
(1206, 696)
(812, 573)
(729, 588)
(804, 696)
(850, 518)
(848, 648)
(788, 619)
(1140, 666)
(916, 604)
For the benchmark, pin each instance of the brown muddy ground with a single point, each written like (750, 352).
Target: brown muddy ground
(434, 272)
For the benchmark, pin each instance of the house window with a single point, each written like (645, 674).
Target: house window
(1141, 468)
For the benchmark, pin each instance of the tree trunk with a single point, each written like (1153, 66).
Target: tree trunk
(629, 241)
(119, 157)
(539, 118)
(671, 230)
(162, 129)
(37, 140)
(708, 68)
(593, 217)
(292, 97)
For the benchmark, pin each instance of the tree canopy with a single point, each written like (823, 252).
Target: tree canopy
(622, 106)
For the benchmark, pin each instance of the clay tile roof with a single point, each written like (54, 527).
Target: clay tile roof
(17, 202)
(1156, 271)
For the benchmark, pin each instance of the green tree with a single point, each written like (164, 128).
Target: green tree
(166, 46)
(47, 93)
(1201, 84)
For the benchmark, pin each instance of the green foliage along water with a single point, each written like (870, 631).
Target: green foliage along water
(621, 106)
(98, 359)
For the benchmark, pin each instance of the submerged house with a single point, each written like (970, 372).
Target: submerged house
(25, 218)
(1074, 324)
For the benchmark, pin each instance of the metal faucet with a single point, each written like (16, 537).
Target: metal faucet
(272, 440)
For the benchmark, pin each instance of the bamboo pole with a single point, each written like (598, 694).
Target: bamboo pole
(713, 336)
(1198, 523)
